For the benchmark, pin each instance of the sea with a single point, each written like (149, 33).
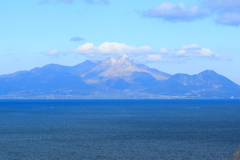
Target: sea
(119, 129)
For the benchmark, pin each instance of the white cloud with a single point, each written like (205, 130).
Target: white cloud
(70, 1)
(191, 46)
(228, 11)
(192, 51)
(111, 48)
(146, 53)
(155, 58)
(52, 52)
(143, 53)
(98, 1)
(163, 50)
(170, 12)
(223, 5)
(229, 19)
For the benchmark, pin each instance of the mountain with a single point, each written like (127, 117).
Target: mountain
(122, 73)
(114, 68)
(118, 77)
(52, 78)
(207, 84)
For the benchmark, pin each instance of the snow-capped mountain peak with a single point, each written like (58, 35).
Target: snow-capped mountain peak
(119, 60)
(121, 67)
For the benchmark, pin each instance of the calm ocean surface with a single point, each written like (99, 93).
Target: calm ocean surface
(119, 129)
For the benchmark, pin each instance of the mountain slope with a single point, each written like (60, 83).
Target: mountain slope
(51, 78)
(119, 77)
(205, 84)
(118, 73)
(121, 67)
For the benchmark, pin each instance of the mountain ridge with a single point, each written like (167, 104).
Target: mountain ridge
(207, 84)
(117, 77)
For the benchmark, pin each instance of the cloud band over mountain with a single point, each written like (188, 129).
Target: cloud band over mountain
(144, 53)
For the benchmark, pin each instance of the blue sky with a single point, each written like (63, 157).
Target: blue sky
(186, 36)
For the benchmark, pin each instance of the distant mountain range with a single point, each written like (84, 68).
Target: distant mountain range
(119, 77)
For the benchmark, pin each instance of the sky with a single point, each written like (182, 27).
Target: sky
(185, 36)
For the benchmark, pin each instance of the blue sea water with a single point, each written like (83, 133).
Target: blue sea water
(119, 129)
